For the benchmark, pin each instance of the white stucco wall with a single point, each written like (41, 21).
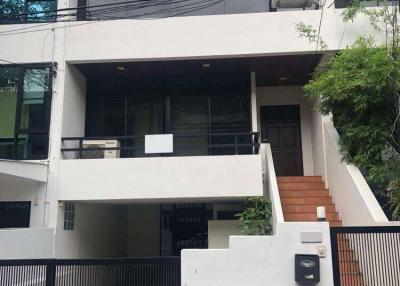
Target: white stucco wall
(201, 36)
(160, 178)
(255, 260)
(17, 189)
(27, 243)
(219, 232)
(292, 95)
(99, 232)
(354, 200)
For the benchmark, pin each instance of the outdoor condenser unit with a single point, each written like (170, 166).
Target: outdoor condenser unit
(97, 154)
(291, 4)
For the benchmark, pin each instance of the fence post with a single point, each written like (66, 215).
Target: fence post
(51, 273)
(335, 257)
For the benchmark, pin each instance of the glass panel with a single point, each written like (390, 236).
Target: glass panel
(114, 116)
(32, 146)
(10, 9)
(41, 10)
(33, 109)
(8, 107)
(145, 116)
(230, 113)
(189, 114)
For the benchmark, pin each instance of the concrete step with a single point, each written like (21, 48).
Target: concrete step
(312, 208)
(303, 194)
(335, 223)
(299, 179)
(307, 201)
(309, 216)
(301, 186)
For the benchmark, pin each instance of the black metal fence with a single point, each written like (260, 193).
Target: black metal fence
(152, 271)
(366, 256)
(185, 144)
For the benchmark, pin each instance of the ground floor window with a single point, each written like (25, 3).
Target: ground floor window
(15, 214)
(25, 100)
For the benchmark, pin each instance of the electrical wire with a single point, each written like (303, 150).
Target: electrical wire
(184, 9)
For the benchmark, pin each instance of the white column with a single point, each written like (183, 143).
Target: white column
(254, 113)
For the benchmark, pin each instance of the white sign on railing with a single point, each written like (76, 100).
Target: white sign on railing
(159, 143)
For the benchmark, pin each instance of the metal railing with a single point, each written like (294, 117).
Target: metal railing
(366, 256)
(150, 271)
(185, 144)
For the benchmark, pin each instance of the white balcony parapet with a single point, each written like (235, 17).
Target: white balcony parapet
(31, 170)
(271, 184)
(191, 177)
(27, 243)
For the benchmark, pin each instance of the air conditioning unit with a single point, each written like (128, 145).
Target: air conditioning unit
(291, 4)
(97, 154)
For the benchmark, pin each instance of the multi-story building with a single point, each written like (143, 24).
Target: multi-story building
(138, 128)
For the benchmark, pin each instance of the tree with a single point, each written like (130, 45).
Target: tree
(360, 88)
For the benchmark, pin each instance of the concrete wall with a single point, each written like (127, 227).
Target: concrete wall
(351, 194)
(74, 107)
(255, 260)
(292, 95)
(27, 243)
(143, 230)
(317, 141)
(161, 178)
(17, 189)
(99, 231)
(219, 232)
(200, 36)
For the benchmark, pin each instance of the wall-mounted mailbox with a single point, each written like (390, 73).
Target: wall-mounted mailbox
(306, 268)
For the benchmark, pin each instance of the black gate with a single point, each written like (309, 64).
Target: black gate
(366, 256)
(151, 271)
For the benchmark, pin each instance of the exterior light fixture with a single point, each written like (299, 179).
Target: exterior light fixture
(321, 213)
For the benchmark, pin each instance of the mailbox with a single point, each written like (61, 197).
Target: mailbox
(306, 268)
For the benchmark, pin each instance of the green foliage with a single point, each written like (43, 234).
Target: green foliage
(308, 32)
(358, 90)
(256, 219)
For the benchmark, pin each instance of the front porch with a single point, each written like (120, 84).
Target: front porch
(144, 229)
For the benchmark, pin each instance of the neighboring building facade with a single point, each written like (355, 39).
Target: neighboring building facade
(223, 77)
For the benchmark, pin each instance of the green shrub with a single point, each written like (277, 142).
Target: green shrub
(256, 218)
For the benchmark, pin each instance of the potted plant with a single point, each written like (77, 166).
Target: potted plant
(256, 218)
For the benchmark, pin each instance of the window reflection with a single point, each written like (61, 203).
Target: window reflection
(14, 11)
(8, 107)
(25, 94)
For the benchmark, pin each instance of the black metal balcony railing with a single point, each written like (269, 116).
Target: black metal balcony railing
(149, 271)
(185, 144)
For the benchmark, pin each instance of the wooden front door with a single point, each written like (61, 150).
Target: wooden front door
(280, 126)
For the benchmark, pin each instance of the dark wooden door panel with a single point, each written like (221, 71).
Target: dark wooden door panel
(280, 126)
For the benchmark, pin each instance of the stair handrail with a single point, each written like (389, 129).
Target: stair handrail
(271, 183)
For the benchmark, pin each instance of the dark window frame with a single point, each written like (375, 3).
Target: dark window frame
(25, 15)
(45, 130)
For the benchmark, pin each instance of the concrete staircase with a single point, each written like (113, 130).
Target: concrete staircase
(300, 197)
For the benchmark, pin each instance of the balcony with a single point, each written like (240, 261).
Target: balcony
(192, 171)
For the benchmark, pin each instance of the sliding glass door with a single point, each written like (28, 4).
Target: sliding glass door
(189, 115)
(189, 107)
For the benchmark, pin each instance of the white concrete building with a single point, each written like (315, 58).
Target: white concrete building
(221, 83)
